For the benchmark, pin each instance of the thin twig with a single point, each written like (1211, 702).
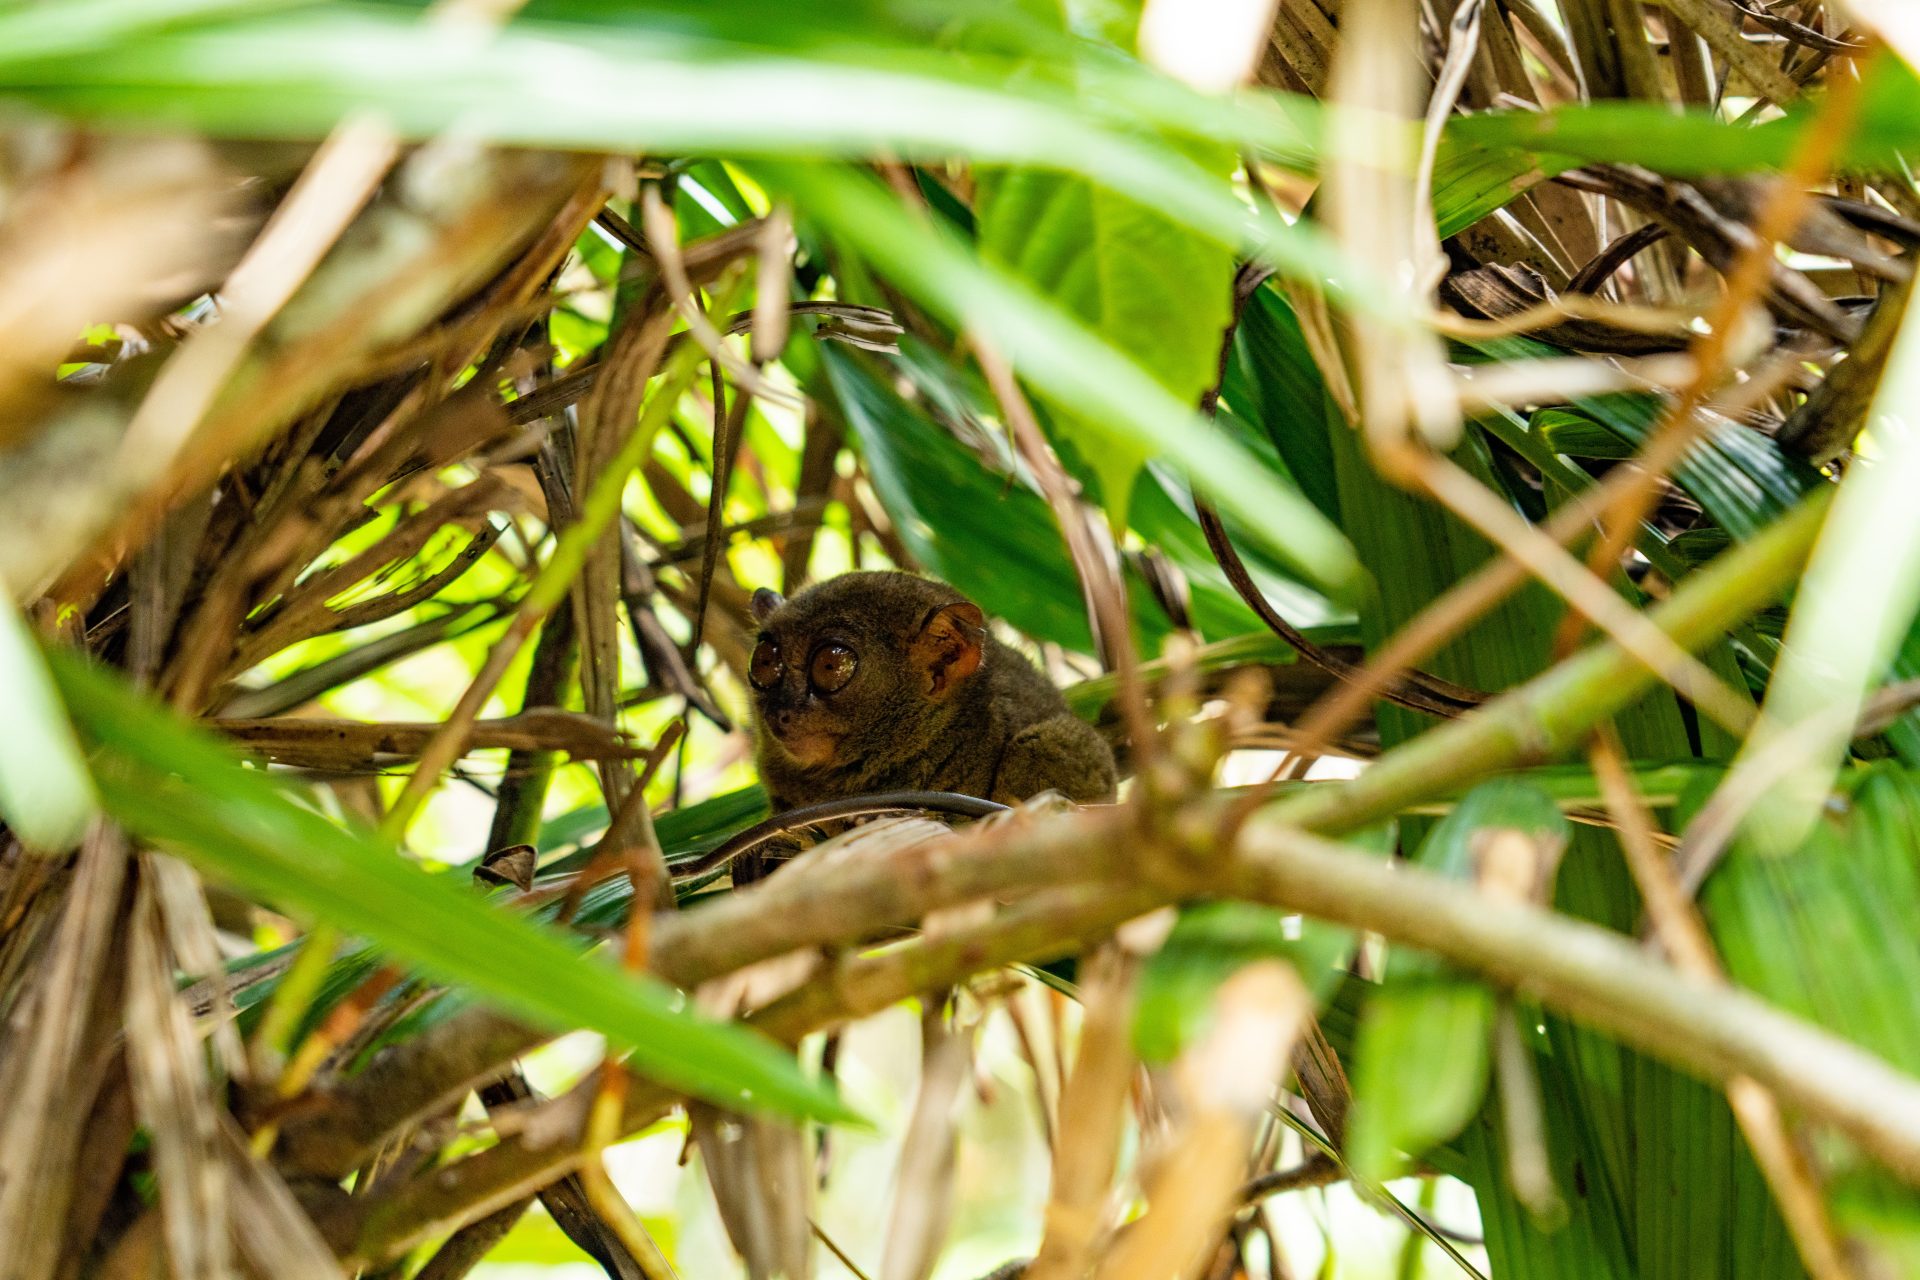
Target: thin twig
(1577, 585)
(1093, 558)
(663, 237)
(1813, 157)
(827, 1240)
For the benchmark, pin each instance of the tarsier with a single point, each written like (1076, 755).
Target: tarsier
(889, 682)
(865, 683)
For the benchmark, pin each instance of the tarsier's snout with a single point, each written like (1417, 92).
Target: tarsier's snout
(802, 736)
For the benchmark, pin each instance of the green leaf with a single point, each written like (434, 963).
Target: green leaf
(1738, 475)
(1471, 181)
(1421, 1058)
(1579, 436)
(1273, 383)
(1212, 941)
(1067, 362)
(1857, 600)
(1826, 931)
(1420, 1070)
(1699, 142)
(177, 786)
(1150, 288)
(78, 26)
(988, 535)
(46, 794)
(680, 81)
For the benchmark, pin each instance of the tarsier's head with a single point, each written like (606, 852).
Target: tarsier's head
(852, 665)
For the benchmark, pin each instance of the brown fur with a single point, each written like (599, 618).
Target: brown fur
(934, 703)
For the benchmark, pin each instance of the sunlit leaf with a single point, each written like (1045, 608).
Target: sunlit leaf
(1124, 270)
(1062, 358)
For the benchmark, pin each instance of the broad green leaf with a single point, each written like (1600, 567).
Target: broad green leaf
(1162, 515)
(686, 832)
(175, 785)
(1150, 288)
(1273, 383)
(1579, 436)
(1420, 1070)
(1470, 182)
(1064, 360)
(1738, 475)
(1794, 927)
(46, 795)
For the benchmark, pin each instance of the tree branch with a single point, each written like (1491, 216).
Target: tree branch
(1594, 975)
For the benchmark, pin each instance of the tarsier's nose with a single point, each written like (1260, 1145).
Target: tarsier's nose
(782, 721)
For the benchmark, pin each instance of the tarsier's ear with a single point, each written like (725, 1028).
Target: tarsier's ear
(764, 602)
(950, 645)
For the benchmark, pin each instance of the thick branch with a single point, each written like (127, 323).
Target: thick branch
(1593, 975)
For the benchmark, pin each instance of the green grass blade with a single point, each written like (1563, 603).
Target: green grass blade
(173, 784)
(1856, 601)
(79, 26)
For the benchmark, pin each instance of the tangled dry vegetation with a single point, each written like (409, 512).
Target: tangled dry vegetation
(488, 356)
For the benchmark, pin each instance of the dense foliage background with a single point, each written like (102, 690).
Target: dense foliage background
(1460, 451)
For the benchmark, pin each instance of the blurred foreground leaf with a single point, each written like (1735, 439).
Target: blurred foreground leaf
(46, 795)
(175, 785)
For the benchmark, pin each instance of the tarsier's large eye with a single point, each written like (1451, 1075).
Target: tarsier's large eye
(764, 670)
(832, 666)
